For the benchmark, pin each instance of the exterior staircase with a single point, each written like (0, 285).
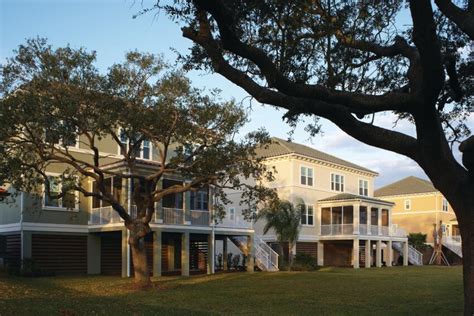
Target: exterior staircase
(414, 256)
(454, 244)
(266, 258)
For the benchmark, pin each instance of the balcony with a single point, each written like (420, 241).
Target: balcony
(351, 229)
(104, 215)
(337, 229)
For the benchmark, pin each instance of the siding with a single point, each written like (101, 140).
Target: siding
(338, 254)
(309, 248)
(61, 254)
(13, 249)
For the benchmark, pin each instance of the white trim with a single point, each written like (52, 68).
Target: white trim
(6, 228)
(419, 212)
(48, 227)
(368, 189)
(404, 196)
(58, 208)
(306, 176)
(306, 210)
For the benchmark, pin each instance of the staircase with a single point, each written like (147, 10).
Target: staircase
(414, 256)
(266, 258)
(454, 244)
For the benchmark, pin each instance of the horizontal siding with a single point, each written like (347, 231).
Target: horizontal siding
(111, 253)
(13, 249)
(309, 248)
(61, 254)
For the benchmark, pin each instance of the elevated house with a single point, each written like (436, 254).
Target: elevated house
(343, 224)
(420, 208)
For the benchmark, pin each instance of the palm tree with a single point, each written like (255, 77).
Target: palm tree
(285, 219)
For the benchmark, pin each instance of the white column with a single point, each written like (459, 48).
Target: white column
(368, 253)
(318, 221)
(378, 254)
(355, 254)
(356, 217)
(369, 220)
(185, 254)
(320, 253)
(379, 224)
(210, 253)
(389, 253)
(405, 253)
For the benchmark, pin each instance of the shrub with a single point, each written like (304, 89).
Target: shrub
(418, 241)
(304, 262)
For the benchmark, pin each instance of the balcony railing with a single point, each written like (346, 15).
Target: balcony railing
(104, 215)
(337, 229)
(374, 229)
(363, 229)
(171, 216)
(200, 218)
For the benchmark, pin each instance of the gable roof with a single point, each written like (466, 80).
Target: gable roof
(408, 185)
(280, 147)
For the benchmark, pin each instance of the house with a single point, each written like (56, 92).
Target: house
(419, 208)
(343, 224)
(77, 234)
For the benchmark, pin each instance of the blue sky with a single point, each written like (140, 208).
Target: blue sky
(107, 27)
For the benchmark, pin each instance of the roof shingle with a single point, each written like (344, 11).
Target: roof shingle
(408, 185)
(280, 147)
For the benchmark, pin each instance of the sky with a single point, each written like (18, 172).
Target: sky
(108, 27)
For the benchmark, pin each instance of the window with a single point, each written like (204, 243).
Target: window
(364, 187)
(200, 200)
(407, 205)
(232, 213)
(307, 176)
(62, 133)
(445, 205)
(112, 185)
(145, 147)
(68, 199)
(176, 200)
(337, 182)
(307, 217)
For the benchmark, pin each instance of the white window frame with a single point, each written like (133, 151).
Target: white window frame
(61, 140)
(407, 207)
(444, 205)
(232, 214)
(100, 200)
(364, 188)
(342, 185)
(306, 175)
(141, 147)
(58, 208)
(306, 215)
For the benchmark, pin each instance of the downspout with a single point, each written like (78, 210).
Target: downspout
(129, 206)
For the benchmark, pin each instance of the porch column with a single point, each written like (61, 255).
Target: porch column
(318, 221)
(379, 224)
(405, 253)
(355, 254)
(210, 253)
(224, 254)
(320, 253)
(368, 253)
(356, 218)
(157, 248)
(369, 220)
(185, 254)
(93, 253)
(378, 254)
(125, 254)
(251, 255)
(389, 253)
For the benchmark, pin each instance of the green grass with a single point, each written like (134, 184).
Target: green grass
(387, 291)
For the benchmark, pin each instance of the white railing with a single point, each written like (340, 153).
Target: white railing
(374, 229)
(397, 231)
(200, 218)
(236, 222)
(453, 243)
(363, 229)
(337, 229)
(414, 256)
(104, 215)
(265, 257)
(385, 230)
(172, 216)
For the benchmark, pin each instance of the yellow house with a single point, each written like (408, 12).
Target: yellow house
(419, 207)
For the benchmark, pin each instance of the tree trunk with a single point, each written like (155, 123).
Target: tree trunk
(290, 256)
(467, 235)
(140, 266)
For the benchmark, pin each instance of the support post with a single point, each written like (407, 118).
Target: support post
(318, 220)
(379, 218)
(157, 248)
(369, 220)
(405, 253)
(368, 254)
(224, 254)
(378, 254)
(356, 219)
(93, 254)
(355, 254)
(251, 255)
(125, 254)
(185, 254)
(210, 253)
(320, 253)
(389, 253)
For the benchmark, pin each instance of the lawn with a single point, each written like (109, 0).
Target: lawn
(397, 290)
